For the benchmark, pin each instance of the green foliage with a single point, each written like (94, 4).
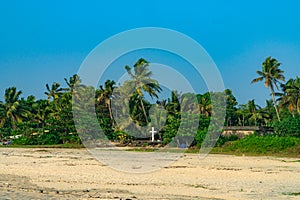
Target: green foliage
(51, 121)
(122, 137)
(202, 129)
(200, 136)
(223, 139)
(289, 126)
(231, 103)
(290, 98)
(262, 145)
(170, 129)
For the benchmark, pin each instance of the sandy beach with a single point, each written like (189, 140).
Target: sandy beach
(76, 174)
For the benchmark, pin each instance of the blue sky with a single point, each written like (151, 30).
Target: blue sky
(46, 41)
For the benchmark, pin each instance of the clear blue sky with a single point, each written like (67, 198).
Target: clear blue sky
(46, 41)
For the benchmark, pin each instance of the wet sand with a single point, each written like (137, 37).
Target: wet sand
(76, 174)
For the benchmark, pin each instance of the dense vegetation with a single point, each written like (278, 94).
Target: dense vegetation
(50, 121)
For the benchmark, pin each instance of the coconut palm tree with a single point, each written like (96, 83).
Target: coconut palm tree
(231, 104)
(54, 92)
(290, 98)
(41, 112)
(72, 82)
(241, 113)
(205, 104)
(141, 81)
(272, 75)
(12, 111)
(105, 95)
(253, 111)
(173, 105)
(269, 112)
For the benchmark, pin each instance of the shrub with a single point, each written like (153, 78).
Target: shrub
(264, 144)
(289, 126)
(223, 139)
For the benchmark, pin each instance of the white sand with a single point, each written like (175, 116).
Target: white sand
(75, 174)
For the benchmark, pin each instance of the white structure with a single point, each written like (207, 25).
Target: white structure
(15, 136)
(152, 133)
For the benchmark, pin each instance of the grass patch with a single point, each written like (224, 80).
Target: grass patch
(292, 193)
(250, 146)
(73, 146)
(267, 145)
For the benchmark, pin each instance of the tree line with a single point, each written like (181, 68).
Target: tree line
(51, 120)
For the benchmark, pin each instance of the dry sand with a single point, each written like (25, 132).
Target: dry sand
(75, 174)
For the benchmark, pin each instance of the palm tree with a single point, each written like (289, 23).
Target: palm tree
(291, 95)
(254, 111)
(205, 104)
(241, 112)
(105, 95)
(54, 92)
(173, 105)
(142, 81)
(269, 112)
(72, 82)
(12, 111)
(271, 74)
(231, 104)
(41, 112)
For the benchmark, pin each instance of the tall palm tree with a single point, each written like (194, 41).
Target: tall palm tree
(142, 81)
(253, 111)
(269, 112)
(173, 105)
(272, 75)
(241, 112)
(231, 104)
(291, 95)
(12, 110)
(105, 95)
(54, 92)
(72, 82)
(205, 104)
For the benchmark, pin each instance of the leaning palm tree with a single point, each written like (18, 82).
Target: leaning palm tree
(12, 110)
(141, 81)
(272, 75)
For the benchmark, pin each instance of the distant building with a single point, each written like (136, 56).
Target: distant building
(242, 131)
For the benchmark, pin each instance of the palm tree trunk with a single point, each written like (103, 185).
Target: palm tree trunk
(110, 112)
(141, 100)
(274, 102)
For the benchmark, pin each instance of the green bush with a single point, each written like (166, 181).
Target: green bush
(200, 136)
(289, 126)
(263, 144)
(223, 139)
